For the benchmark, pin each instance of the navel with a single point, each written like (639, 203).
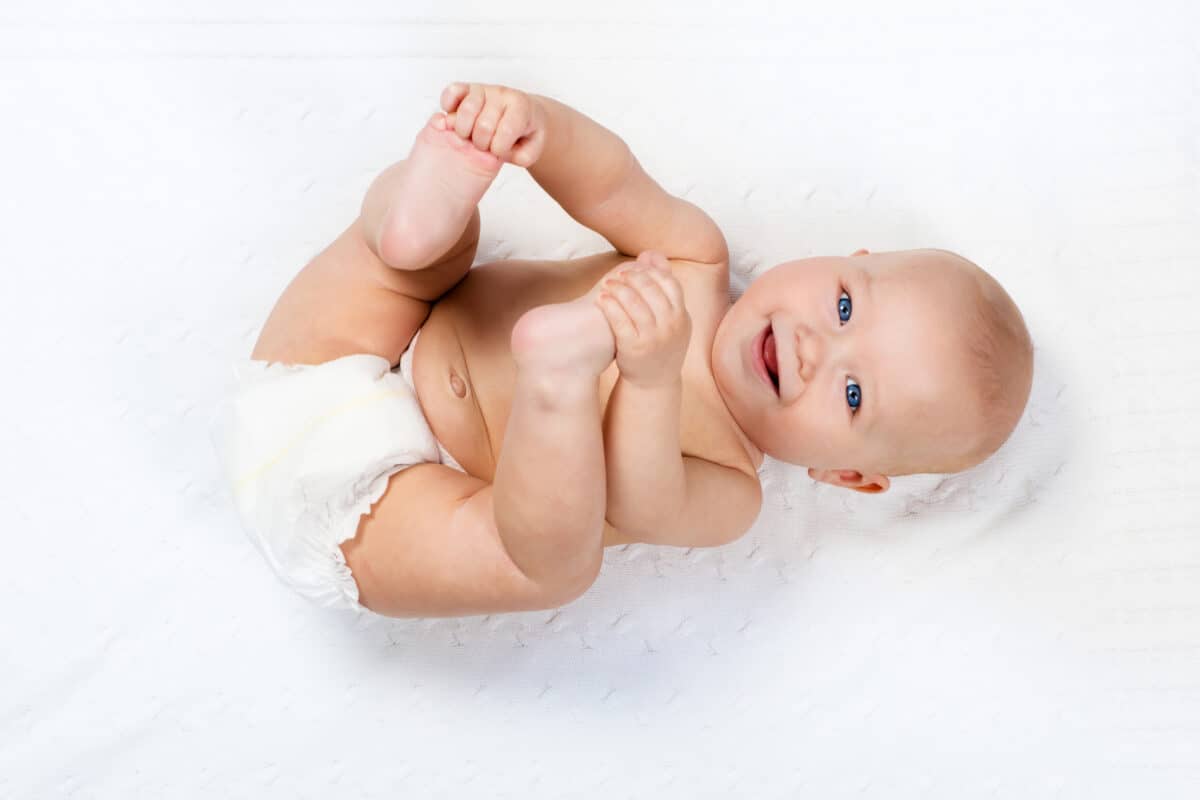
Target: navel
(457, 385)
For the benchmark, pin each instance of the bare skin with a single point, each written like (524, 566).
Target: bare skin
(582, 421)
(614, 398)
(517, 372)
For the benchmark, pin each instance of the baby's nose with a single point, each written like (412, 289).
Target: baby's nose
(808, 353)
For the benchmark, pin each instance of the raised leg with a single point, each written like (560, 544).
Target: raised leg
(419, 209)
(549, 487)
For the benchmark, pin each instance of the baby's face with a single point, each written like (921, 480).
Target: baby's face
(867, 355)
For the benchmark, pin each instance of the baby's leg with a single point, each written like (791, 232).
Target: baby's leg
(420, 209)
(549, 487)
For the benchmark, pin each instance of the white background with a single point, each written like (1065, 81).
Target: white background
(1029, 629)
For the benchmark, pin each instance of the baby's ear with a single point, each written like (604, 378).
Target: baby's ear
(851, 479)
(862, 251)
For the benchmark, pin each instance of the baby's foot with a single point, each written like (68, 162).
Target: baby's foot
(440, 184)
(564, 340)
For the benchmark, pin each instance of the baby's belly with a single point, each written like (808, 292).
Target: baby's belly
(463, 368)
(447, 396)
(456, 413)
(464, 371)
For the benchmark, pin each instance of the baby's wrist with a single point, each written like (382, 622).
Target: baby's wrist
(661, 384)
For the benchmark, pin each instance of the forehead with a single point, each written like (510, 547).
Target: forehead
(913, 321)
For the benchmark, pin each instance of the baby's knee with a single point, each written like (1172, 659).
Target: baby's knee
(576, 585)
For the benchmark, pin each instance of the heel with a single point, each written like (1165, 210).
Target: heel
(564, 339)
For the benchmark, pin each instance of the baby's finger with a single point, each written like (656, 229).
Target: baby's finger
(669, 285)
(650, 292)
(485, 124)
(637, 308)
(510, 127)
(452, 95)
(618, 320)
(654, 259)
(529, 149)
(467, 110)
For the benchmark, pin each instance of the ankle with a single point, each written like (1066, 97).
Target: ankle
(551, 390)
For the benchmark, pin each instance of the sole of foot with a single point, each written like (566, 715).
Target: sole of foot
(441, 183)
(565, 339)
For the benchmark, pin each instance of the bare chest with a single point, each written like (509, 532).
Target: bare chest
(464, 372)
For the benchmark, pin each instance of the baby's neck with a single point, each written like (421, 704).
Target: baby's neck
(752, 450)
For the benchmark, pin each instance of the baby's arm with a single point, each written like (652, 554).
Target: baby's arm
(655, 494)
(594, 176)
(646, 482)
(586, 168)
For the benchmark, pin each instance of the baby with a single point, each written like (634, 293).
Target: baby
(554, 408)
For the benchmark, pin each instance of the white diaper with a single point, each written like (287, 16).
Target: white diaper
(308, 449)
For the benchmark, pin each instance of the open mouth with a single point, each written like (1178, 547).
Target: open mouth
(765, 361)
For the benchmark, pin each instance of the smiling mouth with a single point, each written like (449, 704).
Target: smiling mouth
(766, 344)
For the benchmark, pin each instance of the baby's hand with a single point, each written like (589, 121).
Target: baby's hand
(644, 306)
(506, 122)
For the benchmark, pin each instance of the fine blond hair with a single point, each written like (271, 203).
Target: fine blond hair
(998, 357)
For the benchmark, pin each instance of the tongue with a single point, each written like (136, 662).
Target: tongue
(769, 353)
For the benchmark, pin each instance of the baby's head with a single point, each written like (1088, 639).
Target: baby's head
(887, 364)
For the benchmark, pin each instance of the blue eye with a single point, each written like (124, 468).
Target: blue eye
(844, 307)
(853, 393)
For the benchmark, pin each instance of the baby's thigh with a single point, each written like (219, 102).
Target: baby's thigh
(343, 302)
(430, 547)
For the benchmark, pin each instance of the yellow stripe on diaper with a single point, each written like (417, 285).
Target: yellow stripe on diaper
(241, 483)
